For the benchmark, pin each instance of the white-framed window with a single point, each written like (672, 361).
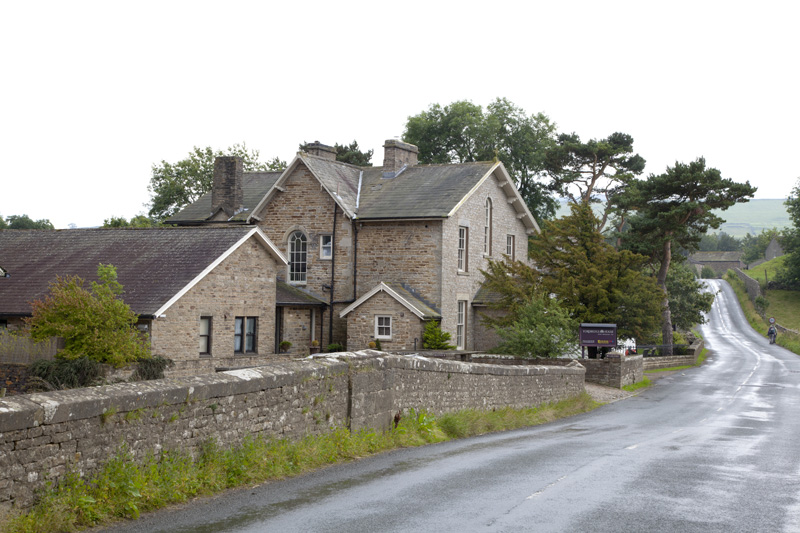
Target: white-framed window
(510, 246)
(298, 255)
(487, 229)
(245, 334)
(325, 247)
(383, 327)
(463, 248)
(205, 335)
(461, 321)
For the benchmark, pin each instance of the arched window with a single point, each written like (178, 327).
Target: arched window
(487, 229)
(298, 248)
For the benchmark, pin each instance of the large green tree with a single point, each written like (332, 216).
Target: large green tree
(593, 171)
(589, 278)
(790, 274)
(94, 323)
(676, 209)
(464, 132)
(755, 246)
(25, 222)
(175, 185)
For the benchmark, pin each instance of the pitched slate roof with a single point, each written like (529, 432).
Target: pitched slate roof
(715, 257)
(254, 187)
(292, 296)
(154, 265)
(403, 294)
(419, 191)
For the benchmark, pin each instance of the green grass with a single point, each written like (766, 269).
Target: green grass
(787, 340)
(766, 271)
(785, 307)
(125, 488)
(638, 385)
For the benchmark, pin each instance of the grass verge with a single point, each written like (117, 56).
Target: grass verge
(125, 487)
(787, 340)
(638, 385)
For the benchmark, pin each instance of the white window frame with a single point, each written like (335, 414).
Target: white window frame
(380, 324)
(463, 249)
(510, 245)
(326, 250)
(298, 257)
(461, 325)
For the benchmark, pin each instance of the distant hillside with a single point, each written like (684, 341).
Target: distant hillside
(741, 219)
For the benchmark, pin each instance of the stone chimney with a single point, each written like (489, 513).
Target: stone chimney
(226, 192)
(321, 150)
(396, 155)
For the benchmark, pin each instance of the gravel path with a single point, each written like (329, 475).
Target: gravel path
(603, 394)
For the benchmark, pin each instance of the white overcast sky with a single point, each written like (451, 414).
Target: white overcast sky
(92, 94)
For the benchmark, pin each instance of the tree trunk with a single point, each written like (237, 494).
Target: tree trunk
(666, 317)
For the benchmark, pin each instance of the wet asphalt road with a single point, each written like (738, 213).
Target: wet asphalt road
(711, 449)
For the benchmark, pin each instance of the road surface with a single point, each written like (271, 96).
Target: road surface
(710, 449)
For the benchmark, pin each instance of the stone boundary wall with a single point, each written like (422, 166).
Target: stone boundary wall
(654, 363)
(42, 435)
(751, 285)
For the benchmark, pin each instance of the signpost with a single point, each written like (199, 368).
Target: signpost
(598, 336)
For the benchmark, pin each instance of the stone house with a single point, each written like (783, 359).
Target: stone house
(199, 292)
(719, 262)
(375, 252)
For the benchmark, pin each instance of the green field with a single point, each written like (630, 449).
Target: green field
(783, 305)
(751, 217)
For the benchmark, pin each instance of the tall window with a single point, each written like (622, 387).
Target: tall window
(383, 327)
(245, 334)
(298, 248)
(510, 246)
(461, 321)
(487, 229)
(205, 335)
(325, 247)
(463, 243)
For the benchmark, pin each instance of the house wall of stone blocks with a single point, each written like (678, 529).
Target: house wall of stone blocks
(43, 435)
(407, 328)
(305, 206)
(464, 285)
(242, 285)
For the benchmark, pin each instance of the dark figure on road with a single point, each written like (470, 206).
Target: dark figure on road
(772, 333)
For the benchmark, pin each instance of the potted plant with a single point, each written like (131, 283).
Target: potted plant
(314, 346)
(285, 345)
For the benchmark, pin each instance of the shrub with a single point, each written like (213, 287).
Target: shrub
(542, 329)
(96, 324)
(285, 345)
(152, 368)
(335, 347)
(61, 374)
(433, 338)
(708, 273)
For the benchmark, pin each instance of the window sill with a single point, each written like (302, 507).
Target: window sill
(463, 273)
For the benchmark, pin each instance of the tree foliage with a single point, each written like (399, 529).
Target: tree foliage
(676, 209)
(433, 338)
(593, 281)
(175, 185)
(593, 171)
(94, 323)
(789, 275)
(139, 221)
(463, 132)
(24, 222)
(541, 328)
(720, 242)
(754, 247)
(688, 302)
(350, 153)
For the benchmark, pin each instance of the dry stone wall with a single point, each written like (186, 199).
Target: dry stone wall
(43, 435)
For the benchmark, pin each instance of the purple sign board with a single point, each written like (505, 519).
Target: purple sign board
(599, 335)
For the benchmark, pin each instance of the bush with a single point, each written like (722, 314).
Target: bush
(433, 338)
(62, 374)
(708, 273)
(335, 347)
(96, 324)
(152, 368)
(542, 328)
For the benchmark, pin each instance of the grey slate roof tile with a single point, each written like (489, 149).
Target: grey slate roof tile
(153, 264)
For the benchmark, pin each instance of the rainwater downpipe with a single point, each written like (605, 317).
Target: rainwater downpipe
(333, 272)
